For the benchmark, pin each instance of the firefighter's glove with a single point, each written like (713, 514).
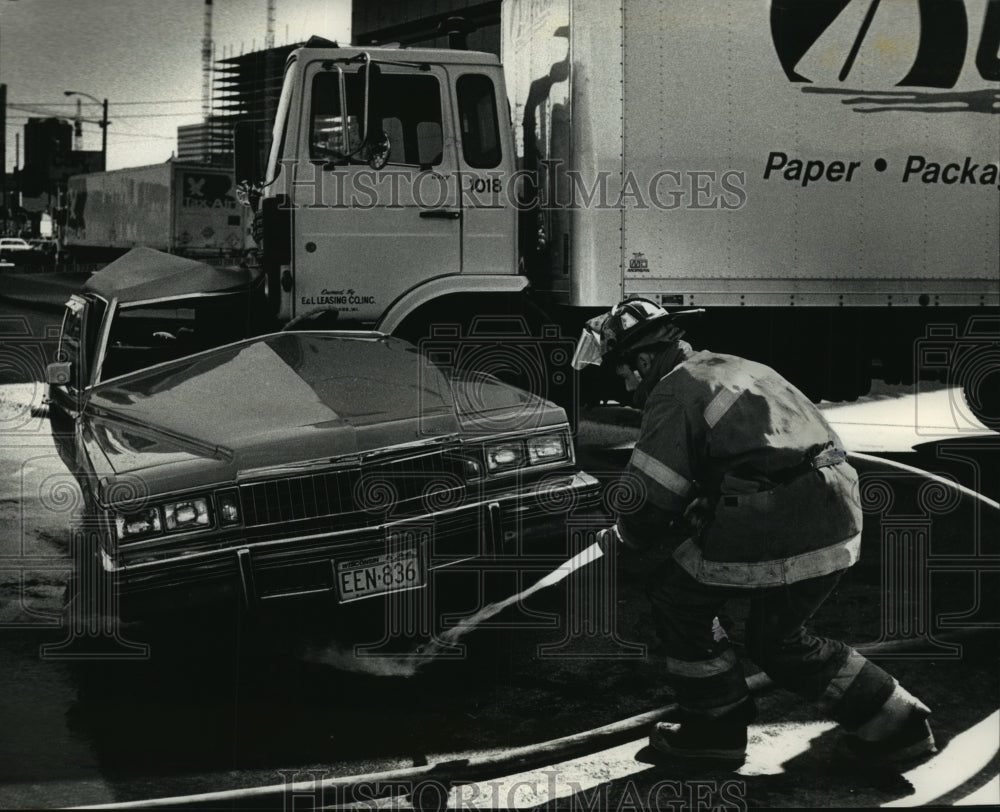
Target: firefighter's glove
(698, 515)
(620, 540)
(609, 540)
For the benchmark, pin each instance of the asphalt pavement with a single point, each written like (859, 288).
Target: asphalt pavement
(67, 742)
(122, 731)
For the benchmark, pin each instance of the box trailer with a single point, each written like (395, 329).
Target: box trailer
(820, 177)
(182, 208)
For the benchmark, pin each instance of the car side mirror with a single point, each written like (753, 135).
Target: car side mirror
(59, 373)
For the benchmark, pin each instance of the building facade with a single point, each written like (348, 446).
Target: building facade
(247, 87)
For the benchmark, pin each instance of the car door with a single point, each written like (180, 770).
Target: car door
(364, 237)
(80, 341)
(72, 373)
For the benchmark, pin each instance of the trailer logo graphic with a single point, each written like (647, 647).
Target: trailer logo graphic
(917, 43)
(208, 191)
(195, 186)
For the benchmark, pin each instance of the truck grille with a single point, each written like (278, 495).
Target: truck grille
(360, 497)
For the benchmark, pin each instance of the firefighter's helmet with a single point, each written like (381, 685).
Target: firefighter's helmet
(628, 326)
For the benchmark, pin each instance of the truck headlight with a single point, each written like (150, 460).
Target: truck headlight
(187, 514)
(546, 448)
(142, 523)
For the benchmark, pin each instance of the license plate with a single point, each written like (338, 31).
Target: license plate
(378, 574)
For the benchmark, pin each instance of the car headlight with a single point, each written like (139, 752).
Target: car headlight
(190, 514)
(142, 523)
(504, 456)
(228, 506)
(522, 453)
(546, 448)
(187, 514)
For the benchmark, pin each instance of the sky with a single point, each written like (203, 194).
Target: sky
(144, 56)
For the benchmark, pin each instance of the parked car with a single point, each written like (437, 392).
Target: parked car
(17, 251)
(218, 467)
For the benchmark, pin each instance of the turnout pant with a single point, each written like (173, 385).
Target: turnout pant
(706, 673)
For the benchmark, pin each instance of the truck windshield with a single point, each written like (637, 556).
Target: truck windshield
(407, 108)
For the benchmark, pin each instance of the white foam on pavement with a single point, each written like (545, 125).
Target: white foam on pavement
(987, 795)
(898, 422)
(772, 746)
(960, 760)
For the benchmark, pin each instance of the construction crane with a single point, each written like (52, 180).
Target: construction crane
(270, 69)
(271, 13)
(207, 49)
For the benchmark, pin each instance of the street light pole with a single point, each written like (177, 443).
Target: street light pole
(103, 123)
(104, 136)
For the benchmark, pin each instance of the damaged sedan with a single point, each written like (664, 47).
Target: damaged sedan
(228, 469)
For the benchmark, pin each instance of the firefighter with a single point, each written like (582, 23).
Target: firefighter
(748, 487)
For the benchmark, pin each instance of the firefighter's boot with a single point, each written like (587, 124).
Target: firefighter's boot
(696, 737)
(897, 734)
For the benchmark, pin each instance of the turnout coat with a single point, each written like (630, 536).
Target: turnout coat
(739, 470)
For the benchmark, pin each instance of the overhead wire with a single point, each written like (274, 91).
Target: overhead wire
(113, 102)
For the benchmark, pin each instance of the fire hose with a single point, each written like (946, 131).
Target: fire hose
(473, 768)
(496, 765)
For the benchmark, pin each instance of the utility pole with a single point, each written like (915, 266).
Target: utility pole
(104, 136)
(103, 123)
(78, 126)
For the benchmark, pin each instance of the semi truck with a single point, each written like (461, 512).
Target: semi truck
(820, 178)
(181, 208)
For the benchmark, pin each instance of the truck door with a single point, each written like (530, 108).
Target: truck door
(485, 157)
(363, 237)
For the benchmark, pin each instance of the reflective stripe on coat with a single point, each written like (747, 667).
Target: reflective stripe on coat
(731, 429)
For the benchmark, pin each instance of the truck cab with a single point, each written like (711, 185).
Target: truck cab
(403, 192)
(387, 184)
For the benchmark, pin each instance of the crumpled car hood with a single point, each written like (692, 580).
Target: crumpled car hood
(285, 399)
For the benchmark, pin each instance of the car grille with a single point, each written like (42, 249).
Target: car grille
(362, 496)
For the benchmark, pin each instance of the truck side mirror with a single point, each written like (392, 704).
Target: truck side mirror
(59, 373)
(371, 75)
(378, 149)
(248, 152)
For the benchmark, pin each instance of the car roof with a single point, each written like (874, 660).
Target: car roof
(144, 274)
